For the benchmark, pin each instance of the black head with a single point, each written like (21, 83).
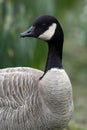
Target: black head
(46, 28)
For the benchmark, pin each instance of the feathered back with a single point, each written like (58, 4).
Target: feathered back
(32, 104)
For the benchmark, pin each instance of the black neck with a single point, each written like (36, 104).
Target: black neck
(54, 59)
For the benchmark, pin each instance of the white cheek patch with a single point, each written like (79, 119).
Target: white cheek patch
(48, 34)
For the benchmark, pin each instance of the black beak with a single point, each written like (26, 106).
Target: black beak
(29, 33)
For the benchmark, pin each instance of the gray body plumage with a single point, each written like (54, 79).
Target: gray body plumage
(27, 103)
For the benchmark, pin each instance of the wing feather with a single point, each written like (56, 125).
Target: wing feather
(16, 84)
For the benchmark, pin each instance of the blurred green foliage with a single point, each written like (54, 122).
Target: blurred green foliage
(16, 16)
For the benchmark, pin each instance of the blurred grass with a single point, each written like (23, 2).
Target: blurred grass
(74, 126)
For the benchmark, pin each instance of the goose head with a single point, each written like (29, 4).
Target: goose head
(48, 28)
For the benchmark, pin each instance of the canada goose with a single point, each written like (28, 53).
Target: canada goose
(31, 99)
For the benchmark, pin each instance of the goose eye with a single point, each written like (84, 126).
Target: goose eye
(43, 24)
